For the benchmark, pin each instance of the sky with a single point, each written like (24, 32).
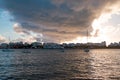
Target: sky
(60, 20)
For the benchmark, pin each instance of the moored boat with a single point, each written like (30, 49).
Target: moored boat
(7, 50)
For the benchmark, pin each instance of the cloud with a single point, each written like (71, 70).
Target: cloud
(58, 20)
(2, 39)
(18, 28)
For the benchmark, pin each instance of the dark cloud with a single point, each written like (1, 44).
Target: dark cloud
(1, 4)
(57, 19)
(18, 28)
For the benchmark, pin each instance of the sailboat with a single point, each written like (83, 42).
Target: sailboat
(87, 48)
(8, 49)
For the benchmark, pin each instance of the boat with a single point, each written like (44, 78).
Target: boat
(62, 49)
(7, 50)
(87, 48)
(26, 51)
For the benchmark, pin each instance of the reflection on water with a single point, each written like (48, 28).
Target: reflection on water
(101, 64)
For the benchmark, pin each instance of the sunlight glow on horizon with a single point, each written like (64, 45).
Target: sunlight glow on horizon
(104, 29)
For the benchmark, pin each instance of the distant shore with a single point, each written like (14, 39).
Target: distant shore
(38, 45)
(60, 48)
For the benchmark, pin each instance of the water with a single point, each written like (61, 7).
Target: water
(74, 64)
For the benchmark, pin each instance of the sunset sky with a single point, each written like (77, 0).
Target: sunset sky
(60, 20)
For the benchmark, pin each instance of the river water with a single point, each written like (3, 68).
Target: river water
(72, 64)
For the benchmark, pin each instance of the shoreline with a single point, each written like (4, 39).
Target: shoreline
(58, 48)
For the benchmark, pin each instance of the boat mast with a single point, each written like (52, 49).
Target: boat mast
(87, 36)
(9, 39)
